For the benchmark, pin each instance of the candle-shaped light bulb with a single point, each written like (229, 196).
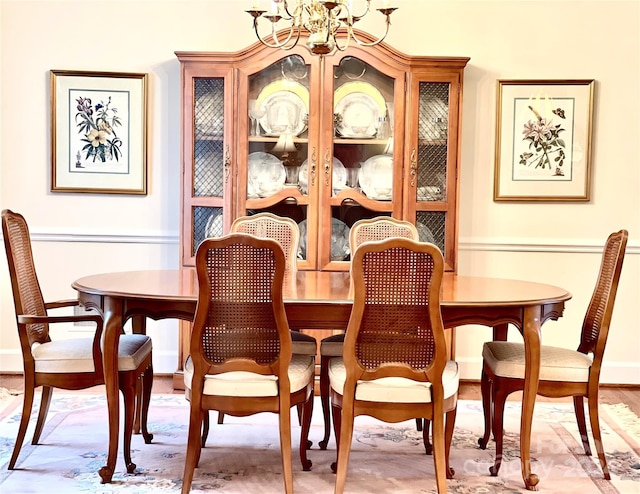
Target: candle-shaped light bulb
(274, 7)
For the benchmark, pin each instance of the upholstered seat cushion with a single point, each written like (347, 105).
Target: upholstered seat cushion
(506, 359)
(394, 389)
(332, 345)
(303, 344)
(75, 354)
(243, 383)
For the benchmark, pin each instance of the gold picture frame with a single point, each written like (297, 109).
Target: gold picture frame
(98, 132)
(543, 140)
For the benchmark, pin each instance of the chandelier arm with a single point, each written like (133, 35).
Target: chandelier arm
(277, 44)
(366, 11)
(292, 16)
(346, 44)
(351, 33)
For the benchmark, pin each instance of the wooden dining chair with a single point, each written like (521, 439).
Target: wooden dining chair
(563, 372)
(366, 230)
(241, 361)
(71, 363)
(286, 232)
(394, 365)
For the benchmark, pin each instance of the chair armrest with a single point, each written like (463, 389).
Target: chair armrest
(28, 319)
(61, 303)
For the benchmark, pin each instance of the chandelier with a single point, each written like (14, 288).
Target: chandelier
(321, 19)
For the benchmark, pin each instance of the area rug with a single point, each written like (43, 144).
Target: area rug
(243, 454)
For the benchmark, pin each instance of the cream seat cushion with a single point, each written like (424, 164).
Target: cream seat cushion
(75, 354)
(332, 346)
(506, 359)
(394, 389)
(303, 344)
(242, 383)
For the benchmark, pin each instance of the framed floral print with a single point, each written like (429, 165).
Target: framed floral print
(98, 132)
(543, 140)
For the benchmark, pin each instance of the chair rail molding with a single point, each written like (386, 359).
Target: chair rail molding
(562, 246)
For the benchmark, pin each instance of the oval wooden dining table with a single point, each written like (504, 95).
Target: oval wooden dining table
(321, 300)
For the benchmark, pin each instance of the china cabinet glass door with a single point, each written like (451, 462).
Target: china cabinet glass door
(275, 174)
(207, 155)
(431, 188)
(361, 168)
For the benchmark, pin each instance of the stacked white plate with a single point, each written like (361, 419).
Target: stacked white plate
(376, 177)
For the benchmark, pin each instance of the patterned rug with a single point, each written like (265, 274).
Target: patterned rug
(243, 455)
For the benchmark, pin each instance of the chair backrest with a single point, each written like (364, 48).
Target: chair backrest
(267, 225)
(240, 322)
(27, 295)
(595, 327)
(379, 228)
(396, 325)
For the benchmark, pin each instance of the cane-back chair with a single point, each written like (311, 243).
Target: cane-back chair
(366, 230)
(240, 360)
(286, 232)
(563, 372)
(394, 365)
(70, 363)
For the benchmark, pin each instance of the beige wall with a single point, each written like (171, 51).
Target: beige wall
(77, 234)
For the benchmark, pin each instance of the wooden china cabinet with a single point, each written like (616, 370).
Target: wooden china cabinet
(326, 141)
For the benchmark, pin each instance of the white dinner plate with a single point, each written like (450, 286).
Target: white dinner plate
(214, 225)
(265, 175)
(376, 177)
(424, 233)
(339, 240)
(287, 104)
(359, 105)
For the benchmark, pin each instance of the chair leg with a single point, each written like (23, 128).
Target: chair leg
(594, 417)
(336, 413)
(426, 429)
(578, 405)
(147, 384)
(45, 401)
(499, 398)
(439, 453)
(307, 411)
(344, 449)
(448, 436)
(324, 400)
(193, 446)
(220, 417)
(419, 425)
(137, 417)
(284, 417)
(205, 426)
(299, 412)
(487, 405)
(128, 386)
(27, 405)
(203, 416)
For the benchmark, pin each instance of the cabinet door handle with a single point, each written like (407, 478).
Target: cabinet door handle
(227, 164)
(327, 168)
(413, 170)
(313, 166)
